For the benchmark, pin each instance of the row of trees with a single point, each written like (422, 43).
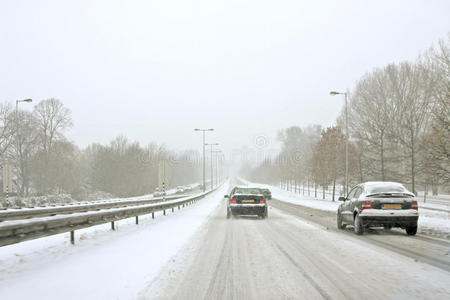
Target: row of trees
(399, 120)
(127, 169)
(45, 162)
(399, 130)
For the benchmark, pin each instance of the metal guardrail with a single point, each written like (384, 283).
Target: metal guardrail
(25, 213)
(16, 231)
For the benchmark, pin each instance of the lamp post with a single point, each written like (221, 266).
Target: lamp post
(204, 155)
(217, 165)
(17, 111)
(17, 128)
(333, 93)
(214, 144)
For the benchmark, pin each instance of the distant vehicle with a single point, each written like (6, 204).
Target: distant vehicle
(187, 188)
(267, 194)
(246, 201)
(379, 204)
(180, 190)
(158, 193)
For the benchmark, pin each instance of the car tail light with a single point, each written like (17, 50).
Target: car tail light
(233, 200)
(366, 205)
(415, 205)
(262, 200)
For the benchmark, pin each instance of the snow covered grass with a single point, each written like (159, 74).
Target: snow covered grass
(430, 221)
(103, 264)
(299, 199)
(65, 199)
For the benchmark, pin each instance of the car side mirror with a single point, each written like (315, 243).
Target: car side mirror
(342, 199)
(226, 196)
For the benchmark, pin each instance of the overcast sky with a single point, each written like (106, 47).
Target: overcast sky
(154, 70)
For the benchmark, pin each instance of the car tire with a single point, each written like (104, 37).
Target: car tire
(339, 222)
(411, 230)
(228, 213)
(358, 225)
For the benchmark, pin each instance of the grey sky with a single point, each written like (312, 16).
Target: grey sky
(154, 70)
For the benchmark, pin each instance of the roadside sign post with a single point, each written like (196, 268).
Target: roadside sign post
(163, 177)
(7, 181)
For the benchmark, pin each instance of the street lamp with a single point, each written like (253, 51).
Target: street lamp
(333, 93)
(17, 127)
(212, 182)
(217, 165)
(204, 157)
(17, 105)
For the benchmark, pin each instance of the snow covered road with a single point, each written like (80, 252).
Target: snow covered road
(289, 257)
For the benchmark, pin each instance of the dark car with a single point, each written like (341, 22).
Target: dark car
(379, 204)
(246, 201)
(267, 194)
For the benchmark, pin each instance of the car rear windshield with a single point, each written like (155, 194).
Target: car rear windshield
(386, 188)
(252, 191)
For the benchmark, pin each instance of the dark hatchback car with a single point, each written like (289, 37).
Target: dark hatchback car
(246, 201)
(379, 204)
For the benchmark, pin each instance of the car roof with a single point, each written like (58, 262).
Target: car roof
(381, 183)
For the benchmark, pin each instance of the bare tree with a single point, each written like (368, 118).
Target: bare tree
(328, 158)
(437, 141)
(372, 117)
(412, 97)
(53, 119)
(24, 148)
(6, 128)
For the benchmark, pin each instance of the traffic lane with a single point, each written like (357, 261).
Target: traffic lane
(421, 248)
(284, 257)
(230, 260)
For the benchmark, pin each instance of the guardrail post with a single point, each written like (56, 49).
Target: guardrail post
(164, 212)
(112, 226)
(72, 237)
(172, 208)
(153, 214)
(137, 220)
(178, 207)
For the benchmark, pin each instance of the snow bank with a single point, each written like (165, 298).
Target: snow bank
(64, 199)
(291, 197)
(103, 264)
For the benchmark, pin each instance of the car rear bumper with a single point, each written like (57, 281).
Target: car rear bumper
(394, 218)
(248, 209)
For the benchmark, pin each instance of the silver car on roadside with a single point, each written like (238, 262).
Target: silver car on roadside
(379, 204)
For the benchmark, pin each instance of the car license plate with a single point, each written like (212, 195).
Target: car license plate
(392, 206)
(248, 201)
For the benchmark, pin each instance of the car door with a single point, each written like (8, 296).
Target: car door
(347, 211)
(355, 199)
